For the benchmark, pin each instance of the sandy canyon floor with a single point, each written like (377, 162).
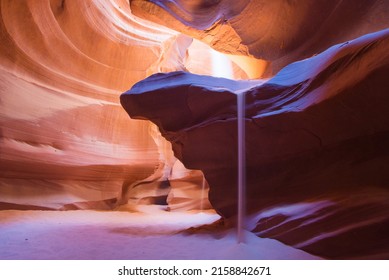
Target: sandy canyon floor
(150, 234)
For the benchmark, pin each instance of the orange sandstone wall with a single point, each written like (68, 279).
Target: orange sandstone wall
(65, 141)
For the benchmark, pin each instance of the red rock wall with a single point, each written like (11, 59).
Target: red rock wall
(65, 140)
(277, 31)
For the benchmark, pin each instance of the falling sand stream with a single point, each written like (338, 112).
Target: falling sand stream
(222, 67)
(241, 167)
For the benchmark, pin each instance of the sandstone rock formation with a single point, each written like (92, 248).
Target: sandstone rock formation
(316, 131)
(316, 139)
(65, 141)
(278, 31)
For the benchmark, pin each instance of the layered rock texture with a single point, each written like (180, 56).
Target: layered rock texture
(314, 75)
(65, 141)
(278, 31)
(316, 142)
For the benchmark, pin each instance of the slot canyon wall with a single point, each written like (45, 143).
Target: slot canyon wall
(316, 130)
(317, 160)
(65, 141)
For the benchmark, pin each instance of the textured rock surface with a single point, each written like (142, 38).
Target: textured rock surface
(316, 144)
(278, 31)
(317, 132)
(65, 141)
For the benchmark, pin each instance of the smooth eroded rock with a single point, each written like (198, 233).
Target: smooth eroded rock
(317, 131)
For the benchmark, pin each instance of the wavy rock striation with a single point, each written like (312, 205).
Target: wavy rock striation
(278, 31)
(317, 154)
(65, 141)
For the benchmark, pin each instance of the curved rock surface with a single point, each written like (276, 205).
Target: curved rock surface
(278, 31)
(316, 141)
(65, 141)
(316, 132)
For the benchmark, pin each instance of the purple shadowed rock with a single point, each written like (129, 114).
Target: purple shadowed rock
(317, 138)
